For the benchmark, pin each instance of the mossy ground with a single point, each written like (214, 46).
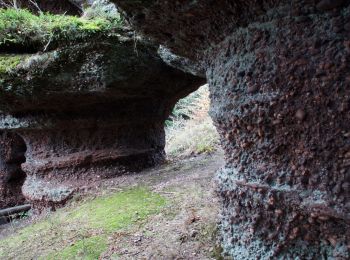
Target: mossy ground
(175, 221)
(82, 231)
(20, 29)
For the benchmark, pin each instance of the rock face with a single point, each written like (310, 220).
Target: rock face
(279, 75)
(91, 110)
(12, 150)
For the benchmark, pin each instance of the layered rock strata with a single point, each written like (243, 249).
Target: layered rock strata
(279, 75)
(86, 111)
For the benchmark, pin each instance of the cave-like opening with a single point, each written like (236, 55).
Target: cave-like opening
(189, 129)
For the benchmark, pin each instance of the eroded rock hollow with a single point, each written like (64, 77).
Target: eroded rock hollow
(90, 110)
(279, 75)
(12, 150)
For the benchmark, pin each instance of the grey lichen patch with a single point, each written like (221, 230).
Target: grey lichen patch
(39, 190)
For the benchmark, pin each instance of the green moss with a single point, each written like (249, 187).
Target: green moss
(117, 211)
(82, 231)
(9, 62)
(20, 28)
(88, 248)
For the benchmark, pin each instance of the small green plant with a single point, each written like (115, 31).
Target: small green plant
(23, 215)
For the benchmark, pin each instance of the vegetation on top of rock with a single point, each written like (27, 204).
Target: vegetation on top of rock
(9, 62)
(22, 31)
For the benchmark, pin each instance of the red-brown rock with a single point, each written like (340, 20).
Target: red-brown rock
(282, 189)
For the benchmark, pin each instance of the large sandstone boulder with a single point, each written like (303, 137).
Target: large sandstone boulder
(279, 76)
(90, 108)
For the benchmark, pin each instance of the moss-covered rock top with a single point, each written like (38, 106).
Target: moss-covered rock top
(22, 31)
(51, 61)
(9, 62)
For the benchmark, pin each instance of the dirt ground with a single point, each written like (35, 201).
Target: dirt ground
(184, 229)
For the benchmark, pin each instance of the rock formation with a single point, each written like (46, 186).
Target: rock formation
(12, 150)
(93, 107)
(279, 75)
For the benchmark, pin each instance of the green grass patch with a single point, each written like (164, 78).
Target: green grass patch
(89, 249)
(117, 211)
(81, 232)
(20, 28)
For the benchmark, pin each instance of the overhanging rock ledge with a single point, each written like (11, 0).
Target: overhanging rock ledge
(89, 110)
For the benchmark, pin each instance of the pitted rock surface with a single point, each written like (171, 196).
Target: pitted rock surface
(279, 77)
(281, 106)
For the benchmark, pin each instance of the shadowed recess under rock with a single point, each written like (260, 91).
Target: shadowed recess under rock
(12, 150)
(94, 108)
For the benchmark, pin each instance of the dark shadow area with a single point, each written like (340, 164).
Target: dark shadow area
(12, 155)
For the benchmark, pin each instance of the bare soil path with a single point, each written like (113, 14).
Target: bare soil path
(186, 228)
